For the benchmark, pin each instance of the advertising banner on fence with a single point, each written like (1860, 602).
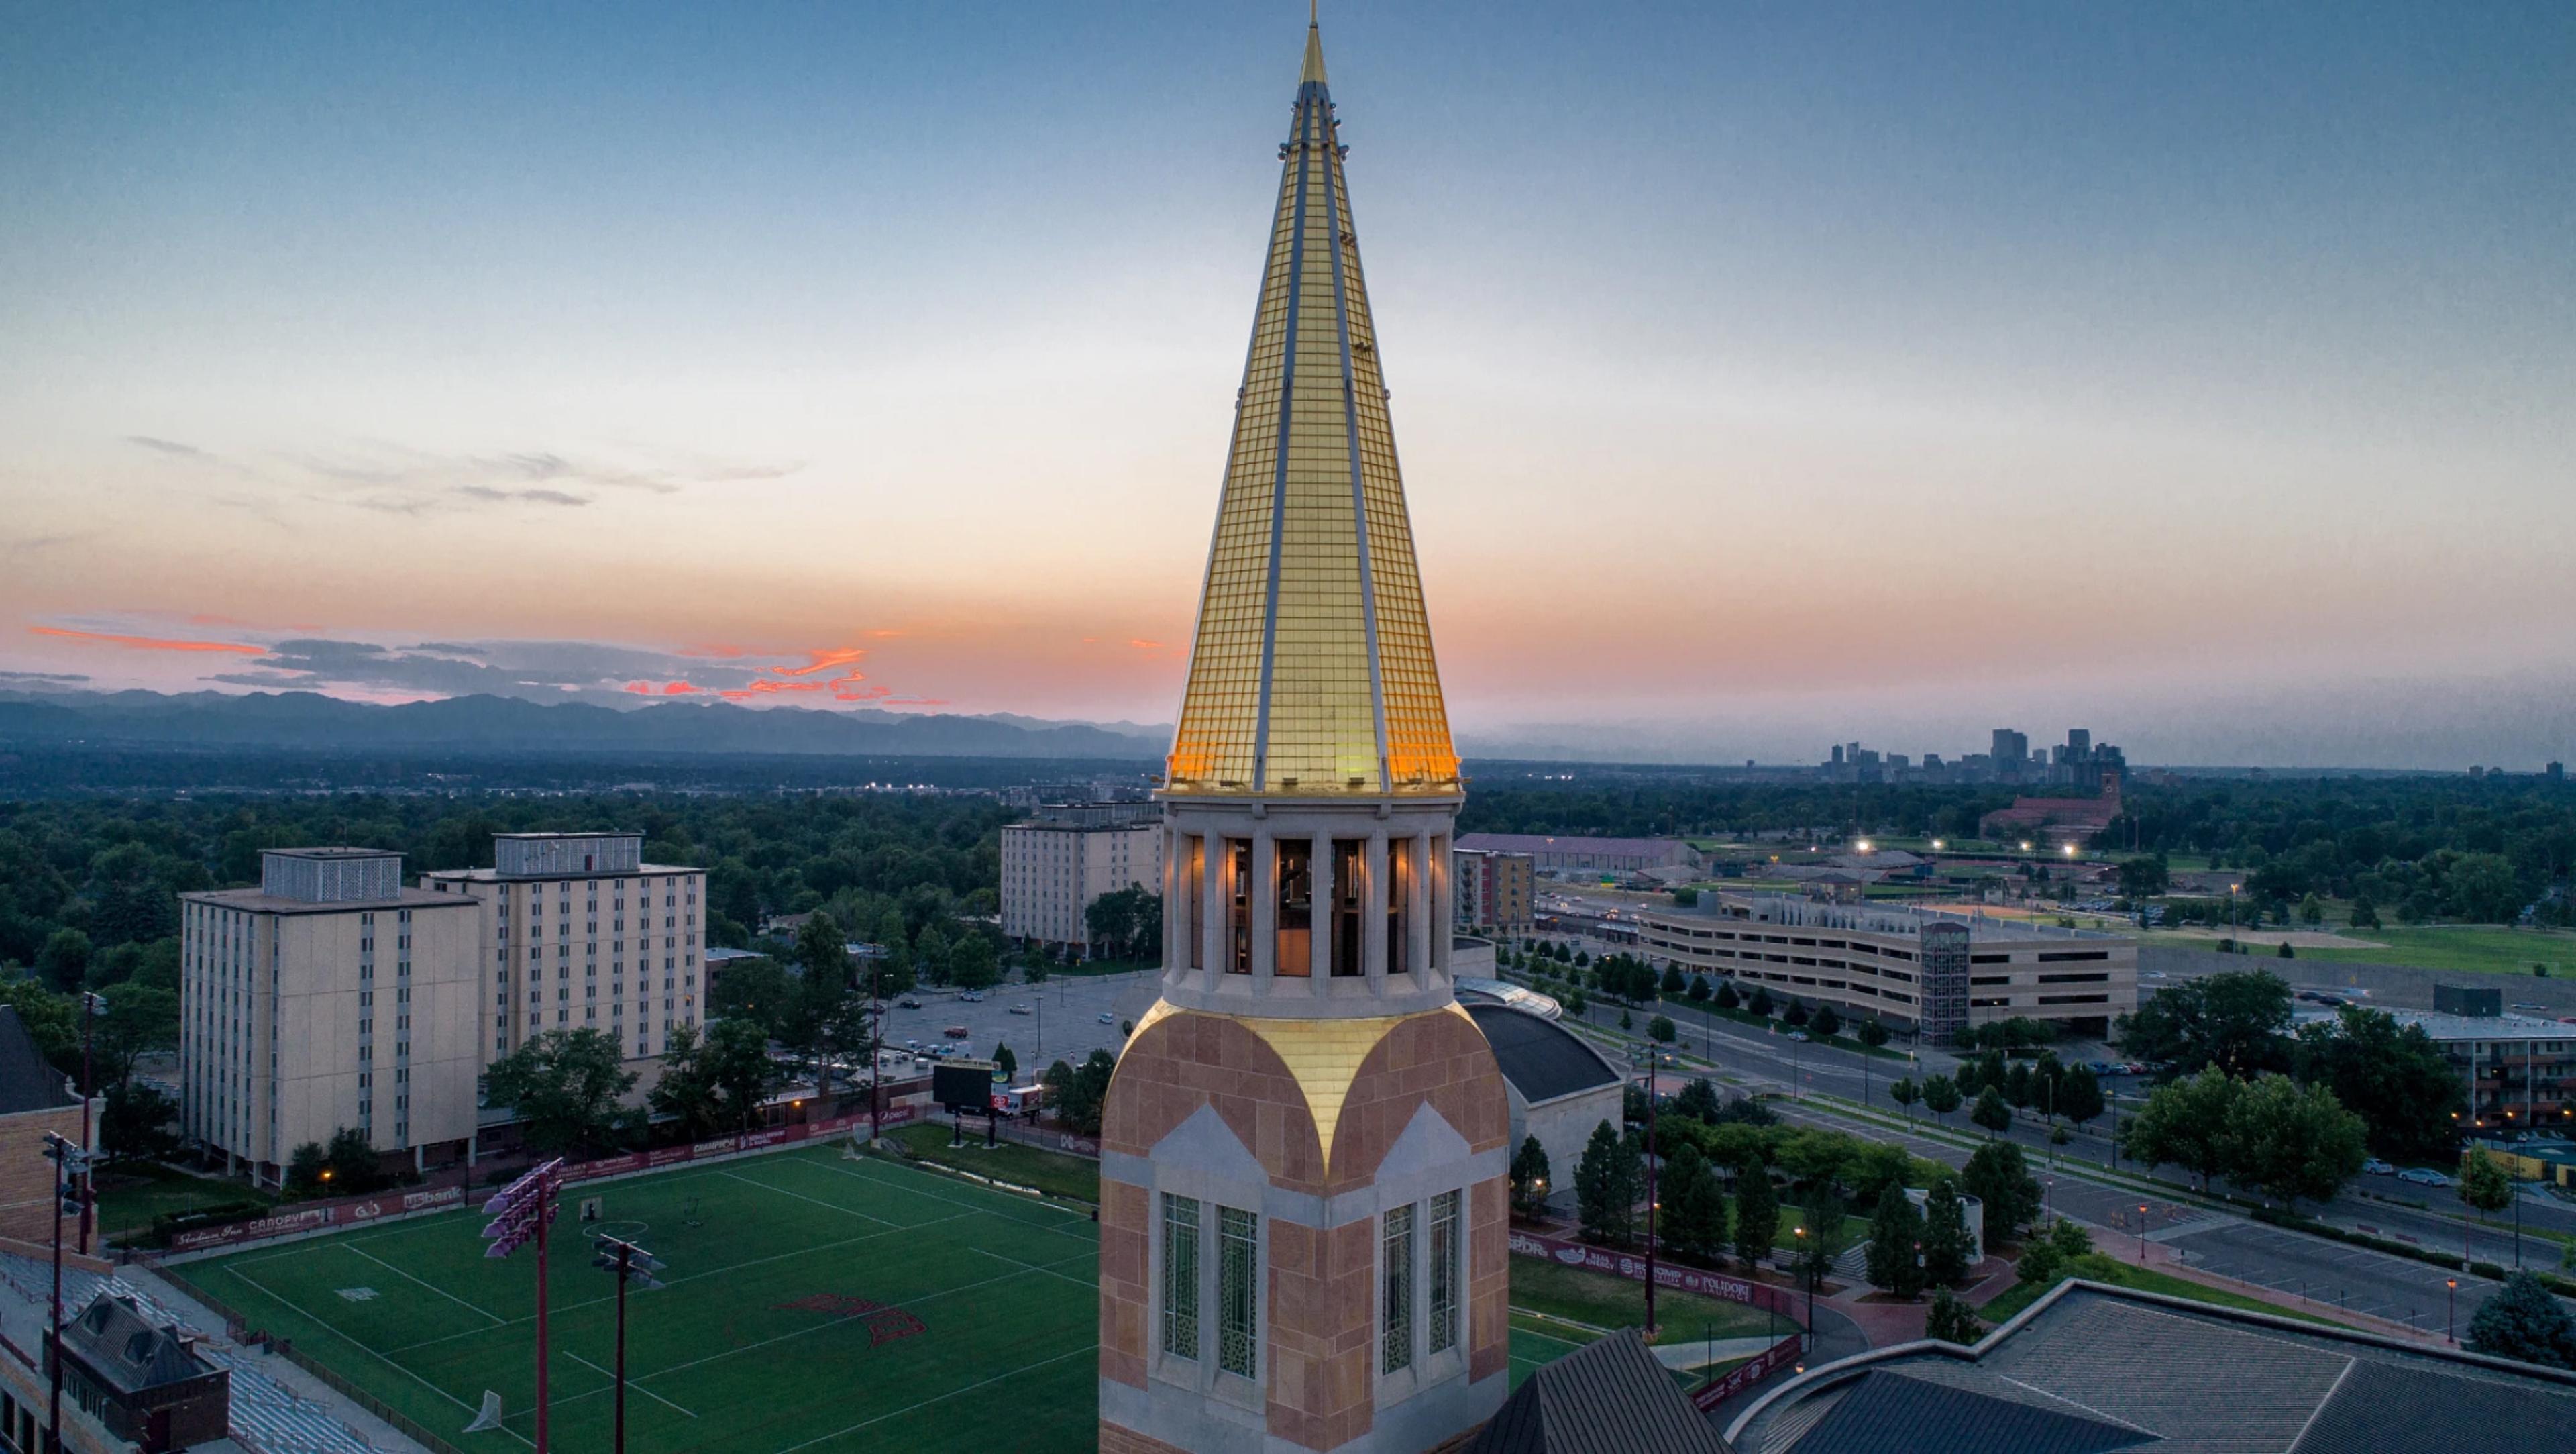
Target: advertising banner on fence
(314, 1216)
(1622, 1264)
(1748, 1373)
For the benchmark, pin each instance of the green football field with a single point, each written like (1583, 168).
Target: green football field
(813, 1303)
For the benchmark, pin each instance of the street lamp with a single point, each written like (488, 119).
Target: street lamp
(2450, 1309)
(1809, 1263)
(92, 1006)
(632, 1264)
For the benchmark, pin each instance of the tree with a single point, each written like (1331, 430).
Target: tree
(1757, 1214)
(1940, 1095)
(138, 1122)
(1827, 1023)
(1529, 1176)
(1896, 1244)
(1005, 1062)
(355, 1168)
(2239, 1022)
(1822, 1216)
(1905, 1093)
(1697, 992)
(2020, 1087)
(2486, 1187)
(1951, 1319)
(1997, 1176)
(2392, 1076)
(1948, 1246)
(2185, 1122)
(2079, 1094)
(1698, 1100)
(2284, 951)
(2312, 911)
(64, 961)
(972, 962)
(1661, 1029)
(2143, 877)
(2522, 1320)
(1873, 1033)
(1727, 998)
(1627, 1021)
(141, 1020)
(2292, 1141)
(1079, 1092)
(1673, 983)
(1796, 1016)
(564, 1085)
(1606, 1186)
(2365, 914)
(304, 1168)
(1991, 1112)
(1694, 1210)
(1760, 1004)
(758, 990)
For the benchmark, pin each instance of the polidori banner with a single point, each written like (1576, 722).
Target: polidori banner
(315, 1216)
(1686, 1279)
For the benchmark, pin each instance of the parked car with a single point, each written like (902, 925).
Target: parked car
(2424, 1176)
(1798, 1035)
(1021, 1010)
(2377, 1167)
(912, 1045)
(955, 1032)
(908, 1003)
(1107, 1018)
(972, 997)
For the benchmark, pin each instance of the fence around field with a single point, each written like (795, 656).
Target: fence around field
(1685, 1279)
(307, 1218)
(1748, 1373)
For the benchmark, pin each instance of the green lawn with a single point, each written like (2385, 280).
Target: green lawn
(2099, 1268)
(1604, 1301)
(132, 1194)
(814, 1303)
(2473, 948)
(1052, 1172)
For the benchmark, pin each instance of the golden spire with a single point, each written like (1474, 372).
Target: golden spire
(1312, 674)
(1314, 47)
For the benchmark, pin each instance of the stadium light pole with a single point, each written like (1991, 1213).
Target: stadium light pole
(520, 1213)
(69, 1160)
(629, 1263)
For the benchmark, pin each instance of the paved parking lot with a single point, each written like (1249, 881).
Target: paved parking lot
(1063, 1023)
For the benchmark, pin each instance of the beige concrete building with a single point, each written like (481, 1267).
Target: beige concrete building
(1495, 890)
(328, 997)
(1936, 971)
(578, 932)
(1055, 864)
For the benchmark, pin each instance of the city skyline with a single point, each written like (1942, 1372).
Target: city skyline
(2194, 374)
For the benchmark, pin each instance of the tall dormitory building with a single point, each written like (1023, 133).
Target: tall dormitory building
(330, 996)
(1067, 855)
(1304, 1147)
(579, 933)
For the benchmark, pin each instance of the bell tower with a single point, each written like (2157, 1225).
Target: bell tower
(1304, 1150)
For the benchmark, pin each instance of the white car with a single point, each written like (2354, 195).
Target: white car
(1021, 1010)
(1107, 1018)
(2423, 1176)
(2377, 1167)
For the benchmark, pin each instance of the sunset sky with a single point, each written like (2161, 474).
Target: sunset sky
(1766, 376)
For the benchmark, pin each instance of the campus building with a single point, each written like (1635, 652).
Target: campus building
(578, 932)
(36, 1100)
(1304, 1150)
(1926, 970)
(1495, 890)
(2519, 1070)
(330, 996)
(1057, 862)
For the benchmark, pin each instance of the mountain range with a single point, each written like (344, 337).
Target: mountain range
(310, 722)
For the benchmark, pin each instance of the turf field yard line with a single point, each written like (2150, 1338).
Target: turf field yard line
(801, 1332)
(325, 1325)
(1056, 1227)
(648, 1393)
(1033, 1267)
(692, 1277)
(818, 1201)
(433, 1287)
(944, 1397)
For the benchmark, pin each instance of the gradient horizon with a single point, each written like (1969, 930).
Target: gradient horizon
(1764, 379)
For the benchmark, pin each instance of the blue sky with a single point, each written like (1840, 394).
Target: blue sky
(1765, 375)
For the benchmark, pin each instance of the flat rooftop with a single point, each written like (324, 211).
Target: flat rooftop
(2449, 1028)
(256, 902)
(1794, 912)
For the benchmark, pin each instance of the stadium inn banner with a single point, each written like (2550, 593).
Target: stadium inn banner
(350, 1211)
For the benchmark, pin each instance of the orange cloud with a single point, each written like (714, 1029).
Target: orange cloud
(1141, 644)
(148, 643)
(823, 660)
(677, 689)
(641, 689)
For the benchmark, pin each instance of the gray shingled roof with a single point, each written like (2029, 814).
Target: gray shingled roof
(114, 1337)
(1542, 1059)
(1610, 1397)
(2194, 1377)
(1890, 1411)
(27, 1083)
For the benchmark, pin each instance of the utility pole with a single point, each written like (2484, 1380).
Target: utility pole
(1650, 1194)
(631, 1264)
(69, 1161)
